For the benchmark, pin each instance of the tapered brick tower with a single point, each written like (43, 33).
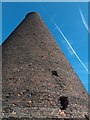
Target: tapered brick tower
(38, 81)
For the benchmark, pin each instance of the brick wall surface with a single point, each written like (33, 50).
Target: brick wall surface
(38, 81)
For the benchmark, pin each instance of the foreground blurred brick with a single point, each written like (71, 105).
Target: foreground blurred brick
(38, 81)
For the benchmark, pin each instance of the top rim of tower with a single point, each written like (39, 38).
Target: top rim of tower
(31, 13)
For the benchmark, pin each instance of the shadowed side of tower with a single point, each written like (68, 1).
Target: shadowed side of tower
(38, 81)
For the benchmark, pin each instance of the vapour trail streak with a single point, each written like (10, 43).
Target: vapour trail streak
(71, 47)
(84, 21)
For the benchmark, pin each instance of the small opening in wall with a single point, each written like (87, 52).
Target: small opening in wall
(54, 73)
(64, 102)
(86, 117)
(41, 42)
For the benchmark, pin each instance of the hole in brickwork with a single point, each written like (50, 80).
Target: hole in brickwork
(33, 34)
(54, 73)
(64, 102)
(7, 96)
(86, 117)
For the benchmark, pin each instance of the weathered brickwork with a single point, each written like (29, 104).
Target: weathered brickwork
(38, 81)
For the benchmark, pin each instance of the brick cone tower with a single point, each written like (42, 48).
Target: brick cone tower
(38, 81)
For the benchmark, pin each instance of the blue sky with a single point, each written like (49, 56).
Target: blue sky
(68, 22)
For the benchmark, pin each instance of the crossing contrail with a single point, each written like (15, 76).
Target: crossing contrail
(84, 21)
(71, 47)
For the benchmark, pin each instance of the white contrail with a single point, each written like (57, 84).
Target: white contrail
(71, 47)
(84, 21)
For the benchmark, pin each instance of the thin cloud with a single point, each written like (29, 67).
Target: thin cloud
(80, 69)
(71, 47)
(84, 21)
(70, 51)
